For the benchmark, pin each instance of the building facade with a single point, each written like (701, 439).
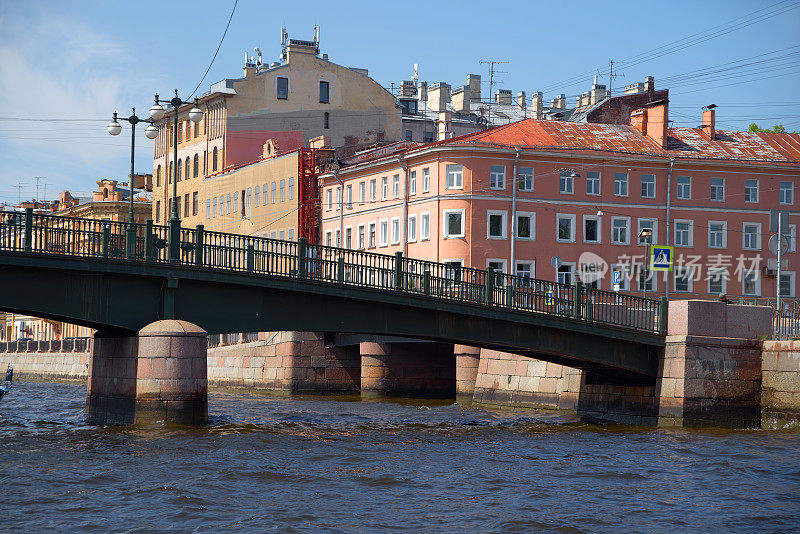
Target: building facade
(517, 196)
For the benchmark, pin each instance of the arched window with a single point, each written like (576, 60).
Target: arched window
(105, 193)
(214, 161)
(158, 176)
(196, 165)
(188, 165)
(178, 174)
(326, 120)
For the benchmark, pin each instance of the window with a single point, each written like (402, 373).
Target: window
(249, 200)
(208, 209)
(409, 135)
(647, 280)
(413, 183)
(362, 192)
(453, 223)
(565, 274)
(256, 197)
(158, 211)
(282, 88)
(717, 234)
(348, 237)
(526, 225)
(717, 280)
(384, 188)
(324, 92)
(326, 121)
(214, 160)
(496, 224)
(372, 235)
(188, 167)
(179, 170)
(455, 176)
(338, 238)
(272, 192)
(787, 284)
(282, 191)
(221, 201)
(453, 270)
(214, 206)
(591, 229)
(787, 193)
(265, 200)
(186, 205)
(751, 236)
(751, 190)
(620, 184)
(684, 188)
(194, 203)
(566, 182)
(683, 280)
(427, 137)
(718, 189)
(412, 228)
(384, 226)
(497, 177)
(372, 188)
(290, 234)
(525, 269)
(424, 226)
(396, 186)
(361, 236)
(648, 186)
(395, 230)
(196, 165)
(338, 197)
(525, 178)
(349, 197)
(565, 228)
(624, 276)
(235, 204)
(792, 235)
(426, 180)
(651, 224)
(291, 190)
(683, 233)
(751, 284)
(592, 183)
(158, 176)
(499, 267)
(619, 230)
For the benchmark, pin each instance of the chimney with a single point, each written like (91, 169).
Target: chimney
(639, 120)
(459, 97)
(652, 122)
(438, 97)
(503, 96)
(444, 125)
(521, 100)
(633, 88)
(649, 84)
(407, 88)
(578, 101)
(586, 98)
(708, 128)
(474, 83)
(559, 102)
(598, 92)
(423, 91)
(536, 105)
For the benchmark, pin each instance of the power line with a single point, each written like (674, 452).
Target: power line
(235, 3)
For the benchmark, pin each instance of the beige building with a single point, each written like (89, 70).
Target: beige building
(289, 102)
(108, 203)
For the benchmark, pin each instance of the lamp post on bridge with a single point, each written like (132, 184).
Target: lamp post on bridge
(114, 128)
(157, 113)
(646, 236)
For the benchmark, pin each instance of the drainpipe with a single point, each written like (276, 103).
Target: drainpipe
(669, 196)
(341, 208)
(512, 267)
(405, 205)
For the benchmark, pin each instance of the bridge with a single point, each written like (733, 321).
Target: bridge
(119, 277)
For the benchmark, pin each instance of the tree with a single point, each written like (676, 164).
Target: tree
(778, 128)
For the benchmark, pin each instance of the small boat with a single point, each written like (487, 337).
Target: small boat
(7, 385)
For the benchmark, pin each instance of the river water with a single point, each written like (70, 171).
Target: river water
(308, 464)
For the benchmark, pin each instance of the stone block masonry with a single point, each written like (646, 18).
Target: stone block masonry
(46, 365)
(780, 383)
(421, 370)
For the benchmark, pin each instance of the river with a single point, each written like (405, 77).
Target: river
(312, 464)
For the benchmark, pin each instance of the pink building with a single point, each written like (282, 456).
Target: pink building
(515, 196)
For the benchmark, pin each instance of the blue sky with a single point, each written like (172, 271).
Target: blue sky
(66, 65)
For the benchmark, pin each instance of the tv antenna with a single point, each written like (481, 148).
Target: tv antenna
(19, 192)
(492, 72)
(612, 75)
(37, 178)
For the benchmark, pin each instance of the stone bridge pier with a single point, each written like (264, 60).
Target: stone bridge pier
(158, 375)
(420, 370)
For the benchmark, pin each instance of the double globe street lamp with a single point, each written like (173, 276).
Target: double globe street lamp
(114, 128)
(157, 113)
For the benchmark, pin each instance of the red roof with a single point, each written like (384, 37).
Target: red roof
(682, 142)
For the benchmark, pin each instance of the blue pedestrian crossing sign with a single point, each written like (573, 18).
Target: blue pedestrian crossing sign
(661, 257)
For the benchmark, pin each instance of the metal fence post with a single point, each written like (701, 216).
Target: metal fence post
(398, 270)
(340, 269)
(28, 229)
(426, 282)
(301, 257)
(148, 239)
(174, 247)
(198, 245)
(106, 240)
(251, 258)
(510, 293)
(490, 285)
(663, 313)
(577, 300)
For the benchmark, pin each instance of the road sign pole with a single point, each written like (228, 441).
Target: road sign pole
(778, 282)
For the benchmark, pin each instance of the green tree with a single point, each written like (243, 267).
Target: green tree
(778, 128)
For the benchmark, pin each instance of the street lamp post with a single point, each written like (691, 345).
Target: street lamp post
(195, 115)
(646, 235)
(114, 128)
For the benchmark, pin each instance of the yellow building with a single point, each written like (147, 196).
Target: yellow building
(301, 97)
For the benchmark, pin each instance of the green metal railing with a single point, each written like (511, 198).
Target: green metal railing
(49, 234)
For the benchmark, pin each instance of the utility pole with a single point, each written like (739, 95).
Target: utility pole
(19, 192)
(611, 75)
(492, 72)
(37, 178)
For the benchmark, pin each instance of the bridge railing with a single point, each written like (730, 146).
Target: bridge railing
(44, 233)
